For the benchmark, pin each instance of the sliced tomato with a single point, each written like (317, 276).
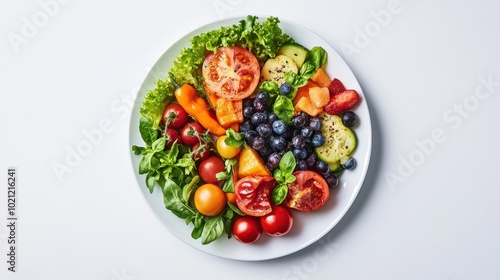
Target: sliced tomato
(308, 192)
(231, 72)
(253, 194)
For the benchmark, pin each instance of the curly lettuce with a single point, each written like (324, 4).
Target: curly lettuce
(261, 38)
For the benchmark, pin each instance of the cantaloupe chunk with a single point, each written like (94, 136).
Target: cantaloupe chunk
(250, 163)
(321, 78)
(305, 105)
(303, 91)
(319, 96)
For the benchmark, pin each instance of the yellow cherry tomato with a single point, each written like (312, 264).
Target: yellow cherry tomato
(225, 150)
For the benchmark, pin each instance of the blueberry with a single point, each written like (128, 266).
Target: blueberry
(272, 118)
(301, 165)
(285, 89)
(265, 130)
(318, 139)
(300, 153)
(287, 134)
(258, 143)
(305, 116)
(311, 160)
(298, 141)
(306, 132)
(250, 135)
(246, 126)
(278, 144)
(322, 167)
(258, 118)
(349, 164)
(258, 106)
(262, 97)
(331, 180)
(315, 124)
(298, 122)
(248, 112)
(349, 118)
(273, 161)
(266, 151)
(279, 127)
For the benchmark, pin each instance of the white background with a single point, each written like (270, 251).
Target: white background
(432, 215)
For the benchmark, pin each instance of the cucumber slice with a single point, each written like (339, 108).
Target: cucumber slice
(295, 51)
(275, 68)
(340, 141)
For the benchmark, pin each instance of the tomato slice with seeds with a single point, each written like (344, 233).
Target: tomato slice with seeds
(231, 72)
(308, 192)
(253, 195)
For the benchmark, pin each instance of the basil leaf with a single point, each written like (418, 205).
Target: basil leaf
(151, 179)
(144, 164)
(234, 138)
(295, 80)
(148, 133)
(279, 176)
(197, 230)
(213, 229)
(159, 144)
(174, 201)
(139, 150)
(235, 209)
(283, 108)
(279, 194)
(287, 163)
(271, 88)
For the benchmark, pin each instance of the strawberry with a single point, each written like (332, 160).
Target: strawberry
(341, 102)
(336, 86)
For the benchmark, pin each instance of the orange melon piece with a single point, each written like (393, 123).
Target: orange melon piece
(319, 96)
(250, 163)
(303, 91)
(305, 105)
(321, 78)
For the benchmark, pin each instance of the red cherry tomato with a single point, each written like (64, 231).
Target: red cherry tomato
(210, 167)
(172, 136)
(188, 133)
(309, 191)
(231, 72)
(278, 222)
(175, 115)
(253, 194)
(200, 152)
(247, 229)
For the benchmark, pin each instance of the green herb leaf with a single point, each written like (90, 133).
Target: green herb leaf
(295, 80)
(279, 194)
(174, 201)
(283, 108)
(235, 209)
(287, 163)
(139, 150)
(213, 229)
(234, 138)
(148, 133)
(188, 190)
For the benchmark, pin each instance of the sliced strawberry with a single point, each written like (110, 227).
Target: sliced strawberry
(342, 102)
(336, 86)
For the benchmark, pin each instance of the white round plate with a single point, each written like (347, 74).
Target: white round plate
(308, 227)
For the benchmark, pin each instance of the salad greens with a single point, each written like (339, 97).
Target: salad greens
(260, 38)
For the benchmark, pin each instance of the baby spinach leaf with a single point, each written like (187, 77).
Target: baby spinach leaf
(213, 229)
